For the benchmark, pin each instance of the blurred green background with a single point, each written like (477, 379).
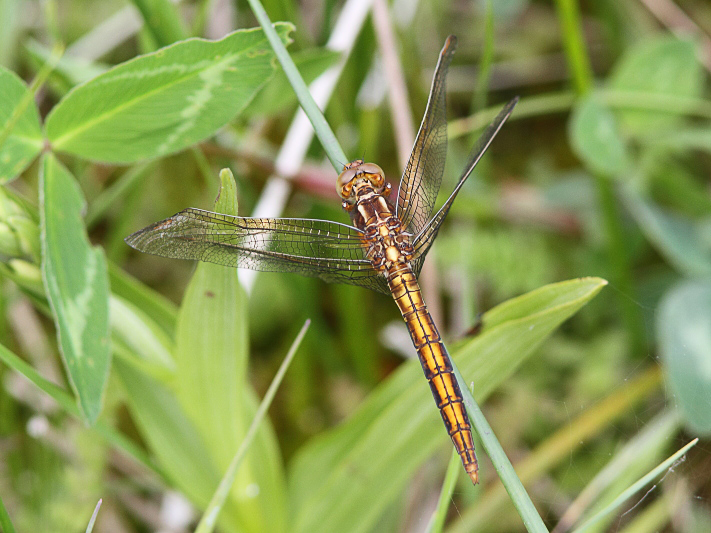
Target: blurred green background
(602, 170)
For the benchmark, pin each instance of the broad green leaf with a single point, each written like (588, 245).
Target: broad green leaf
(332, 479)
(20, 131)
(665, 66)
(676, 237)
(163, 102)
(212, 349)
(277, 95)
(595, 138)
(684, 333)
(77, 284)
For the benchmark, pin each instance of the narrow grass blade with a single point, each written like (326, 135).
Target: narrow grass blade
(531, 519)
(5, 522)
(90, 525)
(323, 130)
(454, 468)
(637, 455)
(209, 519)
(558, 448)
(77, 284)
(636, 487)
(67, 403)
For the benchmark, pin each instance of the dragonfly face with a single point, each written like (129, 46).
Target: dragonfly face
(382, 250)
(359, 178)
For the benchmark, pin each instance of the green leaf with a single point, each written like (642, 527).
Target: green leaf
(684, 332)
(278, 95)
(678, 238)
(20, 130)
(163, 102)
(595, 138)
(77, 284)
(398, 427)
(665, 66)
(212, 349)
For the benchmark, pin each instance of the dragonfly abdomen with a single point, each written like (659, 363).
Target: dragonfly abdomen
(436, 364)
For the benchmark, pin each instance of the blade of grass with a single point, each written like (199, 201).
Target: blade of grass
(397, 89)
(648, 443)
(560, 445)
(328, 139)
(209, 518)
(67, 403)
(5, 522)
(531, 519)
(300, 133)
(445, 496)
(636, 487)
(617, 249)
(487, 59)
(563, 101)
(574, 44)
(90, 525)
(116, 190)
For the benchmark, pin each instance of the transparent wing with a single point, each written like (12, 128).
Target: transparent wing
(316, 248)
(423, 174)
(423, 240)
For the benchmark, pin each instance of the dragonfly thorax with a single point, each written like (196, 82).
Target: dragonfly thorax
(358, 173)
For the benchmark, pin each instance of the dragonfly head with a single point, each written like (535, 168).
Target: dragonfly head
(358, 172)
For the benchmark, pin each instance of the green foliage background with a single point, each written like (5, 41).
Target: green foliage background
(603, 170)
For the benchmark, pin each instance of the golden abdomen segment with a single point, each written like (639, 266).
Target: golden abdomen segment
(435, 363)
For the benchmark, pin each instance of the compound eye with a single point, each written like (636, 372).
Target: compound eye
(375, 174)
(344, 183)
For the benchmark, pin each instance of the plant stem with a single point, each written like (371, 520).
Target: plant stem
(323, 130)
(619, 261)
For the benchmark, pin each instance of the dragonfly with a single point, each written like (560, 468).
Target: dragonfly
(383, 248)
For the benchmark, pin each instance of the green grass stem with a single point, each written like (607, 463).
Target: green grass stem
(209, 518)
(323, 131)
